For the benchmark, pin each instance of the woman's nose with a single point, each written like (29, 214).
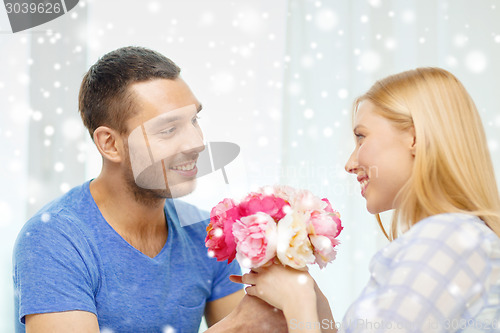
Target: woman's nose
(351, 164)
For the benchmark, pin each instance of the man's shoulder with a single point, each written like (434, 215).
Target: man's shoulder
(65, 214)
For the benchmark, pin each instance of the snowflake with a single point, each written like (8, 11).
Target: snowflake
(223, 83)
(64, 187)
(326, 19)
(451, 61)
(5, 214)
(294, 88)
(250, 21)
(408, 16)
(370, 61)
(493, 146)
(460, 40)
(37, 116)
(312, 132)
(263, 141)
(45, 217)
(307, 61)
(23, 79)
(59, 166)
(390, 43)
(327, 132)
(49, 130)
(375, 3)
(154, 7)
(308, 113)
(475, 61)
(343, 93)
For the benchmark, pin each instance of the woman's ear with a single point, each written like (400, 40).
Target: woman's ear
(413, 146)
(109, 143)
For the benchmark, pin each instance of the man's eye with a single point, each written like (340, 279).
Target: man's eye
(195, 119)
(168, 131)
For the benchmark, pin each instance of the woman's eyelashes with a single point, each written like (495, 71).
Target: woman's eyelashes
(359, 136)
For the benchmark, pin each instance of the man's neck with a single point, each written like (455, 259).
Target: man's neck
(142, 225)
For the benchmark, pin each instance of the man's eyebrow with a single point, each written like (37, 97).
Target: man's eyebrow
(167, 119)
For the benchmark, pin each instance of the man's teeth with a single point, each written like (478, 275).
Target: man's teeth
(185, 167)
(363, 183)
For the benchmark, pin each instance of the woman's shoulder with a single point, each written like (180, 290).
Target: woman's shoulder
(448, 224)
(453, 233)
(461, 232)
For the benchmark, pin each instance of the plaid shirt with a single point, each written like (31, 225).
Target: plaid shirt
(443, 275)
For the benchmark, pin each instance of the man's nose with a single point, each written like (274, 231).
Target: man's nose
(193, 141)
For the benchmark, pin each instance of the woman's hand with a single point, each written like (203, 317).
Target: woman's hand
(278, 285)
(293, 291)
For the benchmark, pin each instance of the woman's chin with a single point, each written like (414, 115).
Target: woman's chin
(376, 209)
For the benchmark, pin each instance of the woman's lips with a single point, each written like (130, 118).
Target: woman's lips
(363, 182)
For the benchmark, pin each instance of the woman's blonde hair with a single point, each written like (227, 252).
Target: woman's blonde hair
(452, 170)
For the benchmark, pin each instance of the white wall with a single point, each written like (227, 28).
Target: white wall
(276, 77)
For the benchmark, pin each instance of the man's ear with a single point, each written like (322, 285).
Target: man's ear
(109, 143)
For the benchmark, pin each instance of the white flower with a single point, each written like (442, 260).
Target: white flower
(294, 248)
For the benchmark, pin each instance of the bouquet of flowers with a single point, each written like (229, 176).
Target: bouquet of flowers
(292, 225)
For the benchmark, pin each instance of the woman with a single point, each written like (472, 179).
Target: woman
(420, 150)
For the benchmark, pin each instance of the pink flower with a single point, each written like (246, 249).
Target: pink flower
(324, 249)
(220, 240)
(258, 202)
(334, 214)
(323, 229)
(328, 208)
(255, 237)
(279, 221)
(304, 200)
(284, 192)
(325, 224)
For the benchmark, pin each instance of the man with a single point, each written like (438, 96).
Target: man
(110, 254)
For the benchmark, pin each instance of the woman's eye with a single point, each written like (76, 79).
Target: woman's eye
(359, 137)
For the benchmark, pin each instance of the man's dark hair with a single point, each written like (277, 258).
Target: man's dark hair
(104, 98)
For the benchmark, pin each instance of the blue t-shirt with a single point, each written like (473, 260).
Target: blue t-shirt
(67, 257)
